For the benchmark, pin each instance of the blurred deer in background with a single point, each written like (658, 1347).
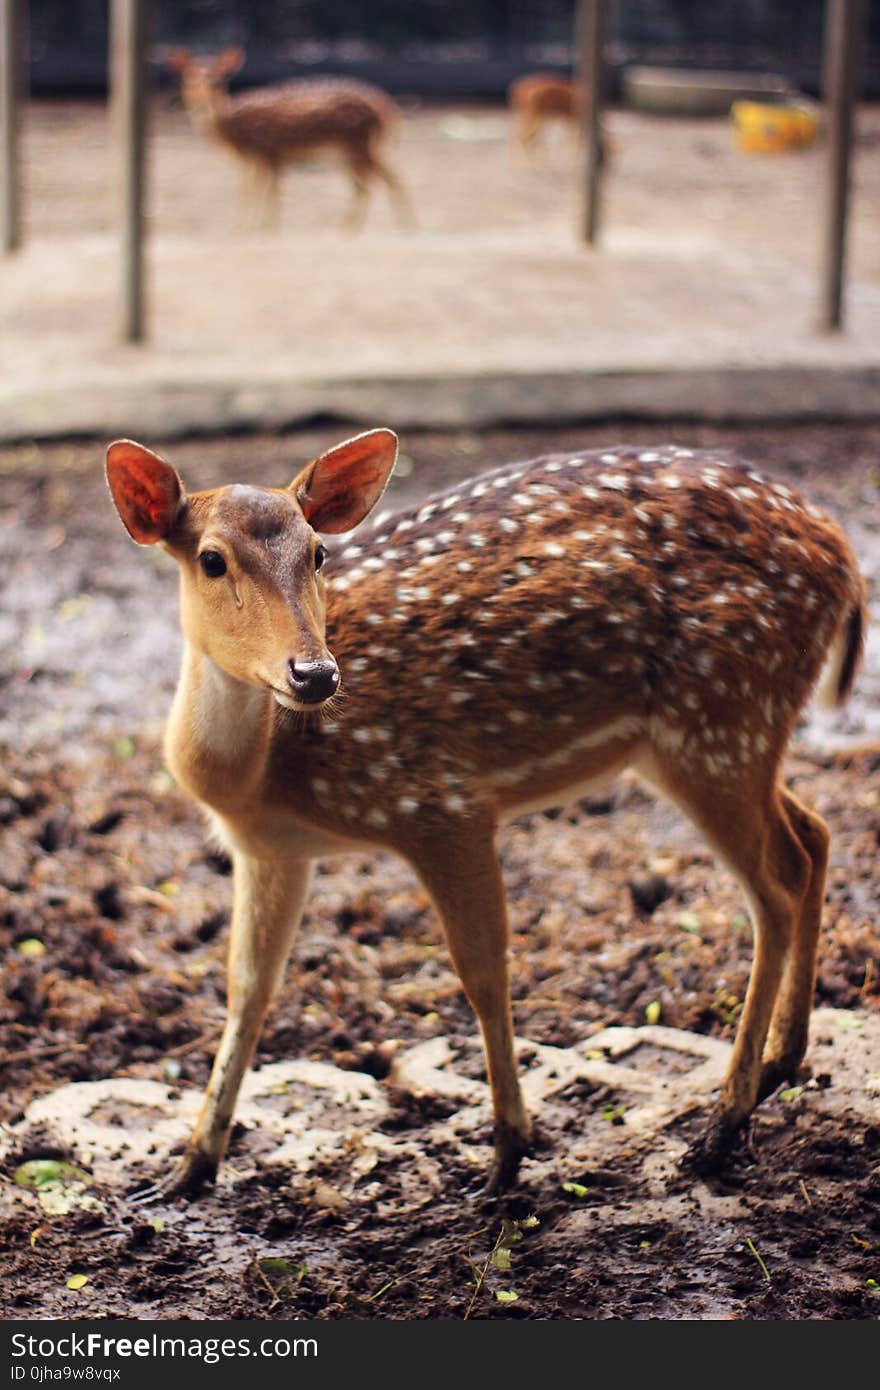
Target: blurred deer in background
(498, 648)
(541, 98)
(271, 127)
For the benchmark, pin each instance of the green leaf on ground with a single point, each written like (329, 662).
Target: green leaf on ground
(31, 947)
(60, 1187)
(576, 1189)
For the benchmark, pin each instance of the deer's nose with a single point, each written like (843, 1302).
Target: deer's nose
(313, 681)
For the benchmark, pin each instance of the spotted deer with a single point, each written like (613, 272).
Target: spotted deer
(540, 97)
(503, 646)
(269, 128)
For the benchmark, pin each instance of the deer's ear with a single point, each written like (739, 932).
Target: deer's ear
(228, 61)
(178, 59)
(146, 490)
(341, 487)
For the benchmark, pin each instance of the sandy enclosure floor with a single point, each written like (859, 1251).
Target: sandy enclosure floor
(707, 255)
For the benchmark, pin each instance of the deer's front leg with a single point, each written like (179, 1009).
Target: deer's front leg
(268, 901)
(460, 870)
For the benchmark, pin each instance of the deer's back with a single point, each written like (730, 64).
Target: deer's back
(544, 94)
(545, 603)
(281, 121)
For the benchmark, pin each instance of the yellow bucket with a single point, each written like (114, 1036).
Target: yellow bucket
(761, 128)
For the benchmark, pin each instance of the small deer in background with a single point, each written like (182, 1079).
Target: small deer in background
(272, 127)
(497, 648)
(541, 98)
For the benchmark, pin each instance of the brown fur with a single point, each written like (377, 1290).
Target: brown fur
(502, 646)
(273, 127)
(541, 98)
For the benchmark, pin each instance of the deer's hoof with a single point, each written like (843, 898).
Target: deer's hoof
(511, 1146)
(191, 1176)
(790, 1071)
(709, 1152)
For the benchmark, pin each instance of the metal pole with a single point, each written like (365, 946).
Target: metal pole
(592, 24)
(843, 30)
(11, 63)
(128, 83)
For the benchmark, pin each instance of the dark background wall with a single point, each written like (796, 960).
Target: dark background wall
(449, 49)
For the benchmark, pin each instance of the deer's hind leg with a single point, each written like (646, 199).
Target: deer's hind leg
(356, 212)
(789, 1025)
(365, 166)
(523, 138)
(748, 822)
(401, 201)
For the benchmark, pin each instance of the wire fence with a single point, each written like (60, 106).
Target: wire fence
(468, 45)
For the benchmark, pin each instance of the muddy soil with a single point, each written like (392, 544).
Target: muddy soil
(113, 920)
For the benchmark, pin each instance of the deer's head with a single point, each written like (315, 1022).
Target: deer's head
(252, 591)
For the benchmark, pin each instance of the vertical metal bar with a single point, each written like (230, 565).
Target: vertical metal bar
(11, 68)
(843, 31)
(128, 82)
(592, 24)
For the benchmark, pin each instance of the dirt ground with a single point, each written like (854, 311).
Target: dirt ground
(113, 918)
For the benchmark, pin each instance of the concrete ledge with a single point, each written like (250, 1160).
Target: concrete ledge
(165, 409)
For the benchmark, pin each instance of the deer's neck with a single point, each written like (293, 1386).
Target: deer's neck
(206, 112)
(219, 733)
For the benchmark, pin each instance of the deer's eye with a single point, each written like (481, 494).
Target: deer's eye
(212, 563)
(320, 556)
